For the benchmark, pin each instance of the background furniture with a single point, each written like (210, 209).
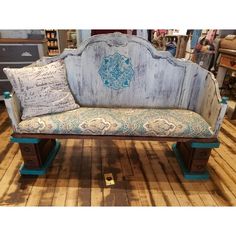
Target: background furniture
(175, 44)
(16, 53)
(181, 43)
(57, 41)
(227, 61)
(71, 39)
(204, 59)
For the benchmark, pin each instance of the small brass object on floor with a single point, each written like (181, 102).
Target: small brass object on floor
(109, 180)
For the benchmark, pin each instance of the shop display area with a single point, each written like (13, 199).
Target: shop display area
(117, 117)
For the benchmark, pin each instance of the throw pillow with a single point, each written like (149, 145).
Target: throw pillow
(42, 90)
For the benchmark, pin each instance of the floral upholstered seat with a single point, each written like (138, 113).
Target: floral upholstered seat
(120, 121)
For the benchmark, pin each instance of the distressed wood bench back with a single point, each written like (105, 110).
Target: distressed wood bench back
(117, 70)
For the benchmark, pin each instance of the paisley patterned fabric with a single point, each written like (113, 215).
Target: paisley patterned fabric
(116, 71)
(120, 121)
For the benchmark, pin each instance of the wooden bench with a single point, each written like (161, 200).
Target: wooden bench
(127, 90)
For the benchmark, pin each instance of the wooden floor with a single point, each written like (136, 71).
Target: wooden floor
(145, 173)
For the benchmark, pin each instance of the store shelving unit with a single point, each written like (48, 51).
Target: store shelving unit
(52, 43)
(56, 41)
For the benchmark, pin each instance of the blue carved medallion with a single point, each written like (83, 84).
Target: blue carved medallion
(116, 71)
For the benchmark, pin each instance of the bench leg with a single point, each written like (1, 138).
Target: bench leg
(37, 154)
(193, 158)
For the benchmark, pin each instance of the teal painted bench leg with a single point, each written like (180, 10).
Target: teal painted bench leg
(37, 154)
(193, 157)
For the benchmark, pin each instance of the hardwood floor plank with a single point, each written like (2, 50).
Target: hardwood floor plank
(96, 175)
(36, 191)
(230, 124)
(51, 178)
(124, 160)
(228, 133)
(227, 144)
(59, 197)
(227, 186)
(49, 187)
(181, 187)
(7, 156)
(145, 194)
(114, 195)
(9, 176)
(5, 126)
(161, 171)
(229, 170)
(216, 194)
(84, 193)
(75, 168)
(157, 194)
(224, 191)
(128, 174)
(139, 183)
(225, 156)
(19, 191)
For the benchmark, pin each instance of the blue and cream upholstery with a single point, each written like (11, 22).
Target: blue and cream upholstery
(120, 121)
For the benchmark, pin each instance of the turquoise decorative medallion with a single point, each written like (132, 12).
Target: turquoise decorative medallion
(116, 71)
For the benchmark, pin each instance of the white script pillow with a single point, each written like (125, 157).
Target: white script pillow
(42, 90)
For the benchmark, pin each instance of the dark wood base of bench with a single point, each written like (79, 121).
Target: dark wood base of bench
(192, 155)
(37, 154)
(193, 158)
(43, 169)
(113, 137)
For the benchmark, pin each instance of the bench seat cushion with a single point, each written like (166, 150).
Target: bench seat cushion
(120, 121)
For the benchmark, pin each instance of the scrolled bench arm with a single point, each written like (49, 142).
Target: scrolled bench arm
(213, 106)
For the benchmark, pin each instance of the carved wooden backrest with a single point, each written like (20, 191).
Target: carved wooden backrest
(118, 70)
